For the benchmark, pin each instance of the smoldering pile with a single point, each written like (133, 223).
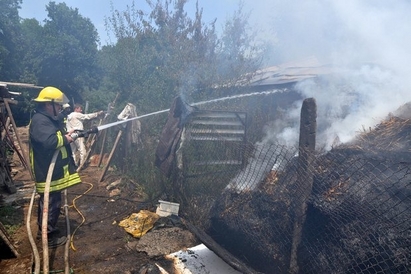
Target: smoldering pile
(358, 216)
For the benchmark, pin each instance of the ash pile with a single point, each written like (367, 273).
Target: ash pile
(357, 216)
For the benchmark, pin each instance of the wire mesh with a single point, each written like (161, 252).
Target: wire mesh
(348, 211)
(357, 216)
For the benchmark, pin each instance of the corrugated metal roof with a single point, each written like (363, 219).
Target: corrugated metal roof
(290, 72)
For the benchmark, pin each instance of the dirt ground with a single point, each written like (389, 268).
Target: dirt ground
(98, 243)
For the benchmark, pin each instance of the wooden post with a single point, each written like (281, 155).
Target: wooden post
(110, 156)
(100, 159)
(127, 144)
(101, 122)
(5, 237)
(22, 150)
(88, 150)
(4, 132)
(308, 127)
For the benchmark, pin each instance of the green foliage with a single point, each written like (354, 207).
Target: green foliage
(142, 169)
(32, 32)
(11, 218)
(69, 56)
(10, 40)
(98, 98)
(238, 53)
(159, 55)
(23, 108)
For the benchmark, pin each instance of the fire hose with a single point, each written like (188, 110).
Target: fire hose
(76, 134)
(44, 223)
(30, 234)
(45, 213)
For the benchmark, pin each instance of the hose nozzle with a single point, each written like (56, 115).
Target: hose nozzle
(83, 133)
(92, 130)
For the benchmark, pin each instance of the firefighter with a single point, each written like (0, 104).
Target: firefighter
(46, 135)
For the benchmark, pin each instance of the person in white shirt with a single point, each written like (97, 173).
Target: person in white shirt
(75, 122)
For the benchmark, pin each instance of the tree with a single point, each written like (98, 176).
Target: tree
(10, 50)
(69, 57)
(160, 54)
(32, 33)
(239, 54)
(165, 53)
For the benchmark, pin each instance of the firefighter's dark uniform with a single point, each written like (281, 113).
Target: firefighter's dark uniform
(47, 136)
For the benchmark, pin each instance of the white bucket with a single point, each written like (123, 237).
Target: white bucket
(165, 208)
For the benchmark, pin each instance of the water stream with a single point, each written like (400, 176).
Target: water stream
(193, 104)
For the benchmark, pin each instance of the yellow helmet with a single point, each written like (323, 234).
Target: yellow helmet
(51, 94)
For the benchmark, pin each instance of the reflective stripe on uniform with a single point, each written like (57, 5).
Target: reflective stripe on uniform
(60, 184)
(60, 141)
(63, 151)
(31, 155)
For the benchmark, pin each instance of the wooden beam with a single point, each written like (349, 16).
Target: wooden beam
(22, 150)
(25, 85)
(110, 156)
(7, 240)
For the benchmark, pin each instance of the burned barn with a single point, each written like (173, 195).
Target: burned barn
(356, 214)
(306, 210)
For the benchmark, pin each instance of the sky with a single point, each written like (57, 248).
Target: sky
(212, 9)
(369, 38)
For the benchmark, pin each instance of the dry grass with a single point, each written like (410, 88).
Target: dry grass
(391, 134)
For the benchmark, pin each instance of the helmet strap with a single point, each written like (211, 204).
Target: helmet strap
(54, 108)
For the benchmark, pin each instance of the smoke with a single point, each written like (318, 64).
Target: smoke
(367, 40)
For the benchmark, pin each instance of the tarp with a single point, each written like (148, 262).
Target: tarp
(171, 134)
(138, 224)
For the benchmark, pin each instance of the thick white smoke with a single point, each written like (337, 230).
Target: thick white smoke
(367, 39)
